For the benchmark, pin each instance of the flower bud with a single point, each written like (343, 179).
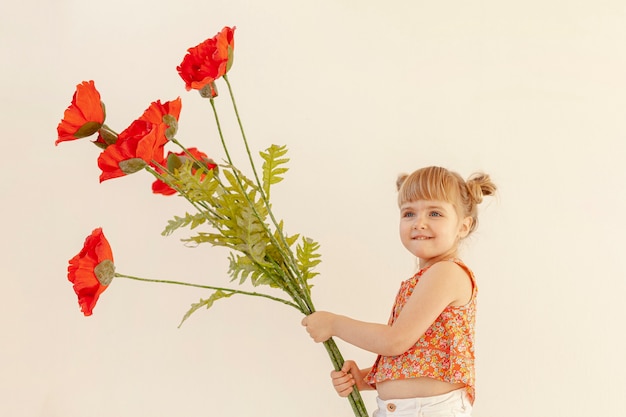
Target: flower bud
(209, 90)
(108, 136)
(105, 272)
(130, 166)
(172, 126)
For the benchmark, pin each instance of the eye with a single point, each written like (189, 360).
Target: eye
(435, 214)
(408, 214)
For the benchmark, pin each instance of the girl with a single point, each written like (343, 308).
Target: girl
(425, 363)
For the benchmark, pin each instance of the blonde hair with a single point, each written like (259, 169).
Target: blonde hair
(436, 183)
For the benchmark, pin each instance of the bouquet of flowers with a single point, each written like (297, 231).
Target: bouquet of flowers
(234, 208)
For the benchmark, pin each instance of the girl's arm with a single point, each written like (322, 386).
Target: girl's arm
(444, 283)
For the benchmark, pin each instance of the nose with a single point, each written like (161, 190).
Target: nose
(419, 223)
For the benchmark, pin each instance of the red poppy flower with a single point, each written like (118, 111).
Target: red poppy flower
(142, 142)
(159, 187)
(208, 61)
(84, 116)
(157, 110)
(164, 116)
(91, 270)
(136, 147)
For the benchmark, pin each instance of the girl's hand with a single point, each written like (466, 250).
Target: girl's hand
(344, 380)
(319, 325)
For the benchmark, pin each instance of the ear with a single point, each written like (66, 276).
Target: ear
(465, 227)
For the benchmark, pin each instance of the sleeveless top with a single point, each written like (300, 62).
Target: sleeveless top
(444, 352)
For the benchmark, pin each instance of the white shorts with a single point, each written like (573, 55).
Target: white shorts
(453, 404)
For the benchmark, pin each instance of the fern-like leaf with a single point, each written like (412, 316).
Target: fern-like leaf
(205, 302)
(273, 166)
(242, 267)
(308, 258)
(194, 220)
(214, 239)
(197, 184)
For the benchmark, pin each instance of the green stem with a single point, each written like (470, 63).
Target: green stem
(208, 287)
(211, 215)
(301, 295)
(292, 290)
(356, 401)
(184, 149)
(289, 258)
(294, 278)
(220, 132)
(243, 135)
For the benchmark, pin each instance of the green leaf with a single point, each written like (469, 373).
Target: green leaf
(205, 302)
(308, 258)
(194, 220)
(196, 183)
(252, 234)
(214, 239)
(243, 215)
(272, 169)
(274, 251)
(242, 267)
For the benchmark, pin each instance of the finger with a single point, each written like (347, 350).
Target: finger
(347, 366)
(342, 380)
(337, 374)
(343, 387)
(343, 384)
(345, 392)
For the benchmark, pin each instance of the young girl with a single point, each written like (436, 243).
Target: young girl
(425, 363)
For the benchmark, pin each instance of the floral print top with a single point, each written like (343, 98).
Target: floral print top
(446, 350)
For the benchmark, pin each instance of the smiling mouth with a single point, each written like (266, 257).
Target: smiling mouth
(421, 237)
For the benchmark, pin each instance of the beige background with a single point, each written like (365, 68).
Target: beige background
(532, 92)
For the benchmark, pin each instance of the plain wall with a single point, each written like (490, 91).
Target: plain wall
(533, 93)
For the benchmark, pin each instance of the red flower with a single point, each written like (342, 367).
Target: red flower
(159, 187)
(84, 116)
(165, 116)
(156, 111)
(142, 142)
(135, 148)
(92, 270)
(208, 61)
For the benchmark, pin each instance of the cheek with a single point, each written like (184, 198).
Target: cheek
(404, 232)
(407, 227)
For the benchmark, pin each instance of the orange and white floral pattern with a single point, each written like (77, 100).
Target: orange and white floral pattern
(446, 350)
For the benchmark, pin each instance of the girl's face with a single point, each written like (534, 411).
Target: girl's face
(431, 230)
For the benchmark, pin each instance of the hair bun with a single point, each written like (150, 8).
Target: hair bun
(400, 180)
(479, 184)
